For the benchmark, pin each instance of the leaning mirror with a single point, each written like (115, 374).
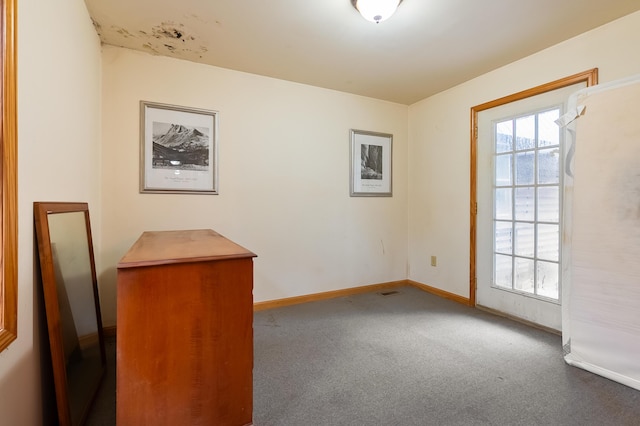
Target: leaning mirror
(69, 283)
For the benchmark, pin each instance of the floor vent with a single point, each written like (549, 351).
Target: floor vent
(389, 293)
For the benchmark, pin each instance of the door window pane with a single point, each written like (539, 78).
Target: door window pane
(549, 204)
(548, 131)
(548, 170)
(524, 275)
(504, 237)
(525, 204)
(526, 132)
(525, 168)
(503, 271)
(548, 282)
(548, 242)
(503, 170)
(504, 136)
(504, 204)
(524, 239)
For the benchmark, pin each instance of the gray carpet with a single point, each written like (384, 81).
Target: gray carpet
(411, 358)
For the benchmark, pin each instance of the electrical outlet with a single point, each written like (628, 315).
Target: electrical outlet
(434, 261)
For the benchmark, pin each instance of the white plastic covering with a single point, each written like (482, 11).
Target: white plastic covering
(601, 241)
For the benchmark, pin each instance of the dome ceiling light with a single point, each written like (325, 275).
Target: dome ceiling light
(376, 10)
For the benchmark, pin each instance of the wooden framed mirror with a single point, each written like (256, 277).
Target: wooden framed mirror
(72, 306)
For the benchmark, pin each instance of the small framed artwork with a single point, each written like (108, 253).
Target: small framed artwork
(370, 164)
(178, 149)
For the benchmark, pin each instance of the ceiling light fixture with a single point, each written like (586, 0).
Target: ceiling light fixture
(376, 10)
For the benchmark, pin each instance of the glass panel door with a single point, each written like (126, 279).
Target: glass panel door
(518, 229)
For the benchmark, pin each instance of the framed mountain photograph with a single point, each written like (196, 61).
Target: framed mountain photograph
(370, 164)
(178, 149)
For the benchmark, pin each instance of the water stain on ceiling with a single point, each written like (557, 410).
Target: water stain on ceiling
(167, 38)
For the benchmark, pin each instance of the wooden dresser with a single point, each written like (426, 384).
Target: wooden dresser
(185, 331)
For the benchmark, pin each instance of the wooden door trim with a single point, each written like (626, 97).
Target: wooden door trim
(590, 77)
(8, 178)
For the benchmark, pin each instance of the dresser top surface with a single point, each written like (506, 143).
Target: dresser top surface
(164, 247)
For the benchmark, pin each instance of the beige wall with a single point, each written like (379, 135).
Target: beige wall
(439, 144)
(59, 80)
(283, 173)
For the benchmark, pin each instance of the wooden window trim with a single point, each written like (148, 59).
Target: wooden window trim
(590, 77)
(8, 178)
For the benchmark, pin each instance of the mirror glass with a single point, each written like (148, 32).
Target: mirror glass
(72, 306)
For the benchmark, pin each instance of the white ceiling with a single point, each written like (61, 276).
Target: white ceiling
(426, 47)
